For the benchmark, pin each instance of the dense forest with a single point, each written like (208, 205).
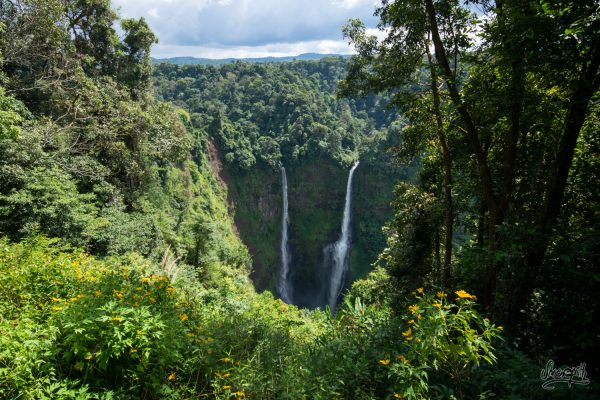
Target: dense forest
(263, 116)
(141, 209)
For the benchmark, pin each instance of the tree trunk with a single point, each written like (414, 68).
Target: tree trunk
(585, 87)
(472, 137)
(449, 217)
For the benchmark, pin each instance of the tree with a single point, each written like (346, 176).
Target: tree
(526, 48)
(135, 69)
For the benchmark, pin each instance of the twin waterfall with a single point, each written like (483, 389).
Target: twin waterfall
(340, 250)
(283, 285)
(337, 255)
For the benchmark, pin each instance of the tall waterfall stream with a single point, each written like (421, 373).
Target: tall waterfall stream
(340, 250)
(283, 284)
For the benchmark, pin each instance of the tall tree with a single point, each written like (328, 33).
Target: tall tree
(526, 50)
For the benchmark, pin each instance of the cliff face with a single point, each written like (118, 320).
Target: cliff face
(316, 191)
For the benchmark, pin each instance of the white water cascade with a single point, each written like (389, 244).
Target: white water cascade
(283, 286)
(341, 249)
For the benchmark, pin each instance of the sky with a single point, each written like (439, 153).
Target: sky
(248, 28)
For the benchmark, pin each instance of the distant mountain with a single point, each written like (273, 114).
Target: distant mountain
(211, 61)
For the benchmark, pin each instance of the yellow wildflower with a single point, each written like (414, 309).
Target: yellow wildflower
(412, 321)
(171, 376)
(419, 317)
(407, 333)
(73, 299)
(239, 394)
(385, 361)
(403, 359)
(420, 290)
(464, 295)
(117, 319)
(55, 299)
(500, 328)
(227, 375)
(409, 338)
(437, 305)
(398, 396)
(170, 290)
(183, 317)
(413, 309)
(152, 299)
(227, 387)
(226, 359)
(441, 295)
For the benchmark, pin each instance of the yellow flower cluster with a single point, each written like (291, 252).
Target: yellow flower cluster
(385, 361)
(464, 295)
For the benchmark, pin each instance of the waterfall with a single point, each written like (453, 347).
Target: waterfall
(340, 250)
(283, 283)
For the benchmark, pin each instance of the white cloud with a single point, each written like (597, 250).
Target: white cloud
(221, 27)
(268, 50)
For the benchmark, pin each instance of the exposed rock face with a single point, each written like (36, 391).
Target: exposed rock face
(316, 192)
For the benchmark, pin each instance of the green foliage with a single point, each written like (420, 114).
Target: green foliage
(274, 113)
(11, 116)
(164, 308)
(136, 70)
(80, 327)
(513, 113)
(50, 203)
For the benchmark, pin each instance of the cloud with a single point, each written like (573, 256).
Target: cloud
(193, 25)
(268, 50)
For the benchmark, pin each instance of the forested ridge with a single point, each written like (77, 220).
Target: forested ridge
(131, 260)
(276, 113)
